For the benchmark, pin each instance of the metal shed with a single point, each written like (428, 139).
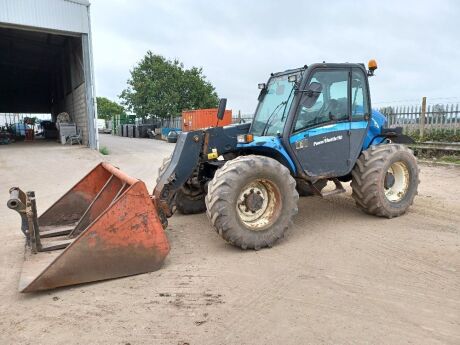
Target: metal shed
(46, 61)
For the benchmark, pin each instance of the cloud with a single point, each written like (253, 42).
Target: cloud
(238, 43)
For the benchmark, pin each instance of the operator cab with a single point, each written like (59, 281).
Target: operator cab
(319, 114)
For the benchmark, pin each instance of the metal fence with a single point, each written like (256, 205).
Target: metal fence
(174, 122)
(424, 118)
(12, 118)
(171, 122)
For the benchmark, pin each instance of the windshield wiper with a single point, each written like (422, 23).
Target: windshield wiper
(284, 111)
(268, 123)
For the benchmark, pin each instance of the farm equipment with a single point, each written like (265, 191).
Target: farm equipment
(105, 227)
(312, 125)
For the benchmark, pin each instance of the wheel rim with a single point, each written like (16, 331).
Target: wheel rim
(258, 204)
(396, 182)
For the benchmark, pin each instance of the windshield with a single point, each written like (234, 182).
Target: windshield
(273, 109)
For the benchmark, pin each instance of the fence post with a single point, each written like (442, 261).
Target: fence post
(456, 116)
(422, 117)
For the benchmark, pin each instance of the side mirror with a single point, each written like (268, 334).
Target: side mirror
(312, 93)
(221, 109)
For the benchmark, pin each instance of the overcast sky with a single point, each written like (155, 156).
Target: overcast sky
(238, 43)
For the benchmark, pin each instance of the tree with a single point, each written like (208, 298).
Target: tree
(107, 108)
(161, 87)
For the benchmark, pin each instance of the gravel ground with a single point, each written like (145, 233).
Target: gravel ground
(339, 276)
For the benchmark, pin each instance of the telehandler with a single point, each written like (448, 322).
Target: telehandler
(312, 125)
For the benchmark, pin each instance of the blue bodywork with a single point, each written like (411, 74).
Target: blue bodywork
(261, 144)
(378, 121)
(273, 143)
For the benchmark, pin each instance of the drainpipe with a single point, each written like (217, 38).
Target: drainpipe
(91, 89)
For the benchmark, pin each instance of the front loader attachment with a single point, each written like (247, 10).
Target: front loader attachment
(105, 227)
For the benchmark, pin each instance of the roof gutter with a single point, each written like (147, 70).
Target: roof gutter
(80, 2)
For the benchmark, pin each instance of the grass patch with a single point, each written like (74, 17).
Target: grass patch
(450, 159)
(104, 150)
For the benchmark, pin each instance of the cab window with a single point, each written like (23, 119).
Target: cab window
(326, 99)
(359, 101)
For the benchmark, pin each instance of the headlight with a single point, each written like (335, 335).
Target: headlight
(244, 138)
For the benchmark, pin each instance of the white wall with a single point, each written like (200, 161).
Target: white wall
(60, 15)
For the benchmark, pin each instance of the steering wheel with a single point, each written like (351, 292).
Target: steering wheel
(324, 114)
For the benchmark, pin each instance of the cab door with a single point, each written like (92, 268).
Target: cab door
(360, 112)
(320, 137)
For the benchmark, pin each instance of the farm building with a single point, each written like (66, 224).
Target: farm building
(46, 61)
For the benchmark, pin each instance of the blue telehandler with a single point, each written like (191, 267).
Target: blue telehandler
(312, 125)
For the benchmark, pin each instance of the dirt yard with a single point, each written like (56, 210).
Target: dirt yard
(339, 277)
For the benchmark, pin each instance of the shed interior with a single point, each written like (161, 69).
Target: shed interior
(43, 72)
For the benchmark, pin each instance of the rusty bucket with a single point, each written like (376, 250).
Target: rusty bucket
(105, 227)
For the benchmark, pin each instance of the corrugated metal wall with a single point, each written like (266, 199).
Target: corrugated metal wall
(61, 15)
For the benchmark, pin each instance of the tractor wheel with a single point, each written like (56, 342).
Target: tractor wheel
(304, 189)
(385, 180)
(190, 202)
(187, 201)
(251, 201)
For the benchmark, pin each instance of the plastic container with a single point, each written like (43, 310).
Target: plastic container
(204, 118)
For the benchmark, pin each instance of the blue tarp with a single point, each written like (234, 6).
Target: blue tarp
(165, 130)
(20, 129)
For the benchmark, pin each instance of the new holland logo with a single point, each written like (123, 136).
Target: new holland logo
(328, 140)
(304, 142)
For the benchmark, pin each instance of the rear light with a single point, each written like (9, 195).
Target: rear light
(245, 138)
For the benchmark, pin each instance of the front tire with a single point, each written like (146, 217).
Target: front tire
(187, 201)
(385, 180)
(251, 201)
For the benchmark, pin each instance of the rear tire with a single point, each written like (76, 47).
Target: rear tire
(385, 180)
(251, 201)
(187, 202)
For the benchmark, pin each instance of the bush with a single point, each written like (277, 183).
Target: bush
(104, 150)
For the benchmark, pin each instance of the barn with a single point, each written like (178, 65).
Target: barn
(46, 63)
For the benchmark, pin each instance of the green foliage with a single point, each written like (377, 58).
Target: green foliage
(161, 87)
(455, 159)
(440, 135)
(104, 150)
(107, 108)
